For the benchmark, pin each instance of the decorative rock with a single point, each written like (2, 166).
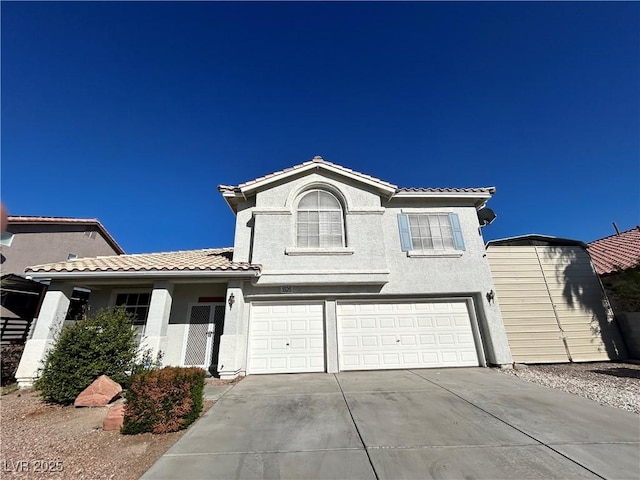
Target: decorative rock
(115, 418)
(101, 392)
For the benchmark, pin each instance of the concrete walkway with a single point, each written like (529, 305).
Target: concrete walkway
(408, 424)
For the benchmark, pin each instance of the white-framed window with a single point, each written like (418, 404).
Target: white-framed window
(430, 232)
(137, 304)
(7, 238)
(319, 221)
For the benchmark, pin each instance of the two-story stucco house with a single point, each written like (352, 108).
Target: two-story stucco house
(331, 270)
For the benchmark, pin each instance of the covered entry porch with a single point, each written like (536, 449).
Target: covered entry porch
(187, 305)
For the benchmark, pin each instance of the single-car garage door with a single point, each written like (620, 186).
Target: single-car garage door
(405, 335)
(286, 338)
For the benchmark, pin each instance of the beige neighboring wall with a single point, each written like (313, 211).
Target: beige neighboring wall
(528, 315)
(553, 305)
(39, 240)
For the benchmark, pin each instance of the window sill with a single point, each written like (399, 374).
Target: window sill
(435, 253)
(318, 251)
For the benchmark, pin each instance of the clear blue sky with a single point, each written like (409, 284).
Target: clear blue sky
(134, 112)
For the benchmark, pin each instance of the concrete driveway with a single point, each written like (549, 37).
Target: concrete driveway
(440, 423)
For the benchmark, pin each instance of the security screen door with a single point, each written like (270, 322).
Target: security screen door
(202, 336)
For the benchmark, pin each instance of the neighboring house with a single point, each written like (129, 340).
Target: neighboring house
(616, 253)
(552, 303)
(617, 261)
(38, 240)
(34, 240)
(331, 270)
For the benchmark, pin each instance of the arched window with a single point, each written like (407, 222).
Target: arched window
(320, 221)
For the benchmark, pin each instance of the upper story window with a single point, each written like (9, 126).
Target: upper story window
(433, 232)
(320, 221)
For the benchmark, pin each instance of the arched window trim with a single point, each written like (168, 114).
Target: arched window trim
(296, 194)
(308, 233)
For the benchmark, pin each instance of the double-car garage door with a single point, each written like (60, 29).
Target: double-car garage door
(290, 337)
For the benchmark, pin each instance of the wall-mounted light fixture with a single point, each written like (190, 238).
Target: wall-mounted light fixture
(232, 300)
(490, 296)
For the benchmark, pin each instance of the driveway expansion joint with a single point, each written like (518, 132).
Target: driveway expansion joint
(373, 468)
(251, 395)
(256, 452)
(551, 444)
(424, 447)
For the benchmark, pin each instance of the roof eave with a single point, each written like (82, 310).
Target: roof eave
(479, 198)
(144, 274)
(232, 199)
(478, 195)
(388, 189)
(536, 236)
(110, 240)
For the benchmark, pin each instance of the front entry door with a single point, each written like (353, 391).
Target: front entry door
(202, 335)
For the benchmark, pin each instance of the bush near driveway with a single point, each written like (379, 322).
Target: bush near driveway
(162, 401)
(103, 344)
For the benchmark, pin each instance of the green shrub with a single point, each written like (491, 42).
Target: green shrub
(162, 401)
(104, 344)
(624, 289)
(10, 358)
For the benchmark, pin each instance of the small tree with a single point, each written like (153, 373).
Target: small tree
(624, 289)
(104, 344)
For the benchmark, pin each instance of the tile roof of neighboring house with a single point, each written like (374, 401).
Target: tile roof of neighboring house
(319, 160)
(24, 219)
(206, 260)
(616, 252)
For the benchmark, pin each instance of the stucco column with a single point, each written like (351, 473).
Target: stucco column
(331, 329)
(231, 361)
(52, 314)
(155, 332)
(497, 345)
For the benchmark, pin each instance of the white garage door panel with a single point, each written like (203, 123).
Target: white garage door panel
(286, 338)
(405, 335)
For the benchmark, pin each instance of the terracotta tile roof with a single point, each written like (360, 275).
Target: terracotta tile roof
(616, 252)
(25, 219)
(211, 259)
(448, 190)
(318, 159)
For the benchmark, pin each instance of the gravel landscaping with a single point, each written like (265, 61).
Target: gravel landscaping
(40, 440)
(608, 383)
